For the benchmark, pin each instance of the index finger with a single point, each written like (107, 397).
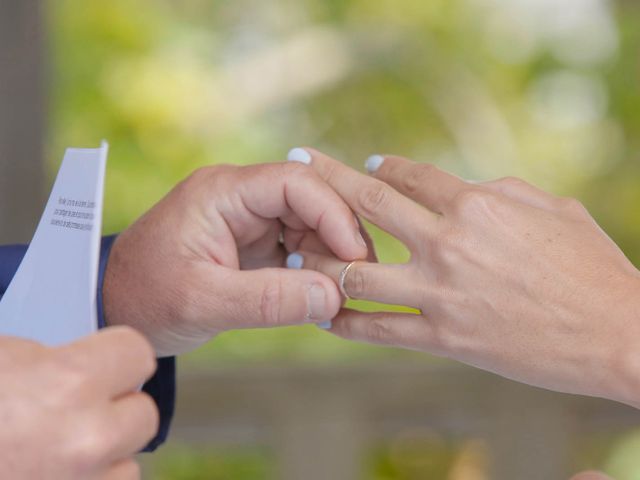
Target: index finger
(373, 199)
(423, 182)
(119, 359)
(276, 190)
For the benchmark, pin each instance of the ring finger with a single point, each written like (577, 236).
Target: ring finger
(390, 284)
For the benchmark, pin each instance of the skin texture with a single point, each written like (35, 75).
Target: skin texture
(506, 278)
(207, 258)
(70, 412)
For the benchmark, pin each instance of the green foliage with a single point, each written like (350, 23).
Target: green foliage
(474, 86)
(172, 86)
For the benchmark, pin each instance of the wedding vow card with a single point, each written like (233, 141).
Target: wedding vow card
(52, 298)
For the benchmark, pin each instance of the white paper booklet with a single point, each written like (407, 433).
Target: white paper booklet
(52, 298)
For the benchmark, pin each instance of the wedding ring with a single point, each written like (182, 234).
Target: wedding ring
(343, 277)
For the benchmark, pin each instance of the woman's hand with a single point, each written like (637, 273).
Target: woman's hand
(208, 257)
(507, 278)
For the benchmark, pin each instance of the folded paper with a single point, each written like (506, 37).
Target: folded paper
(52, 297)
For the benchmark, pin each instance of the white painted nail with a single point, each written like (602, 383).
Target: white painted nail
(299, 155)
(325, 325)
(373, 163)
(295, 261)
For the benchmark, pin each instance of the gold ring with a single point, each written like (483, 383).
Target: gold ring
(343, 277)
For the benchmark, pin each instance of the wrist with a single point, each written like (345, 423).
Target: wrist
(119, 296)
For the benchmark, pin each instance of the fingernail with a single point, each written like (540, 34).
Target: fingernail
(316, 302)
(373, 163)
(295, 261)
(299, 155)
(325, 325)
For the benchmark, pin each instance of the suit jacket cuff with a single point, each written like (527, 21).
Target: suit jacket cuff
(162, 386)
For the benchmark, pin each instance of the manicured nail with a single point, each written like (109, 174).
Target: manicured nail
(373, 163)
(295, 261)
(299, 155)
(316, 302)
(325, 325)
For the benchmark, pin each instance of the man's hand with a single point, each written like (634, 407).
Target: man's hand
(507, 278)
(207, 258)
(70, 412)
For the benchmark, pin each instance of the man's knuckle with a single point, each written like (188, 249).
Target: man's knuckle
(72, 373)
(89, 448)
(512, 182)
(374, 198)
(572, 205)
(200, 174)
(210, 174)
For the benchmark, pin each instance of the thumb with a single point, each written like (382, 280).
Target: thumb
(591, 476)
(275, 297)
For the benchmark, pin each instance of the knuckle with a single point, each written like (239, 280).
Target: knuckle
(448, 253)
(198, 176)
(88, 449)
(374, 198)
(151, 408)
(418, 176)
(151, 416)
(71, 374)
(512, 182)
(472, 201)
(270, 302)
(378, 330)
(147, 358)
(208, 174)
(138, 343)
(295, 169)
(572, 206)
(329, 173)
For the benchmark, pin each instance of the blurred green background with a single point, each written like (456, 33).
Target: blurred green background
(543, 89)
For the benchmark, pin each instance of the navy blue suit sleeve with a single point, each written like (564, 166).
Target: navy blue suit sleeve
(161, 386)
